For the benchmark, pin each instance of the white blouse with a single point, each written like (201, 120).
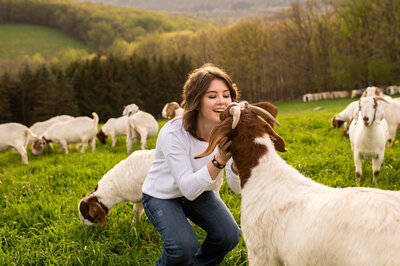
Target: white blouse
(175, 173)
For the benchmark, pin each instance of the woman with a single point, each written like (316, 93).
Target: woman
(180, 187)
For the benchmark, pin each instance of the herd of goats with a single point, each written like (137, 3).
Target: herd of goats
(286, 218)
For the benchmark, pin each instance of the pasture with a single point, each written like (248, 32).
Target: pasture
(26, 40)
(38, 202)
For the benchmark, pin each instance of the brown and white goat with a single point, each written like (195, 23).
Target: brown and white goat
(288, 219)
(121, 184)
(171, 110)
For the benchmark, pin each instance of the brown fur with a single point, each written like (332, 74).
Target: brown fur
(245, 152)
(272, 109)
(101, 136)
(93, 210)
(170, 110)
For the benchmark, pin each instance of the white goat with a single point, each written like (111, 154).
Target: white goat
(16, 136)
(171, 110)
(39, 127)
(81, 129)
(140, 124)
(368, 134)
(288, 219)
(121, 184)
(114, 127)
(345, 115)
(391, 109)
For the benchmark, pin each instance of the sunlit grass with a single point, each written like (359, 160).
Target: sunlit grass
(39, 221)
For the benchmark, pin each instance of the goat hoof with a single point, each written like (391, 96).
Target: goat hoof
(376, 173)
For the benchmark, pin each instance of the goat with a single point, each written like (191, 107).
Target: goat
(391, 90)
(121, 184)
(171, 110)
(140, 124)
(288, 219)
(16, 136)
(39, 127)
(391, 109)
(78, 130)
(114, 127)
(368, 138)
(345, 115)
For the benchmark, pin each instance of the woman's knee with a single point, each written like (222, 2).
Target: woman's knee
(183, 250)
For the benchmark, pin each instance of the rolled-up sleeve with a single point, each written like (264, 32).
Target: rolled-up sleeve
(232, 179)
(190, 183)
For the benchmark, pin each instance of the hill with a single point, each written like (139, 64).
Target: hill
(19, 40)
(218, 11)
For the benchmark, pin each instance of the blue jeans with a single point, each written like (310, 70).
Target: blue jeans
(181, 246)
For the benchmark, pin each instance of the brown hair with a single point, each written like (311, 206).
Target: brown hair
(195, 87)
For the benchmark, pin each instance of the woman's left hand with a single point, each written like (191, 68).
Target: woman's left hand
(223, 155)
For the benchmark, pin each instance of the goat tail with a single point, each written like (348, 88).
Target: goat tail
(28, 135)
(95, 118)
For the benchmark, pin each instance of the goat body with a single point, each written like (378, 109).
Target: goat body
(140, 125)
(39, 127)
(114, 127)
(288, 219)
(121, 184)
(16, 136)
(81, 129)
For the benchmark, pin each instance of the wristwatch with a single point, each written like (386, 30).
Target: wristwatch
(217, 164)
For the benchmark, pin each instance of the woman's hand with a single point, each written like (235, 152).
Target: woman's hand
(223, 155)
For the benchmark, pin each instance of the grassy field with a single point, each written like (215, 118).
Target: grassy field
(20, 40)
(39, 221)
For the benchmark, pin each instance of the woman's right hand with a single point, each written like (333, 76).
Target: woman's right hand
(223, 155)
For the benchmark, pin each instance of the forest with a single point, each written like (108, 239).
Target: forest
(313, 47)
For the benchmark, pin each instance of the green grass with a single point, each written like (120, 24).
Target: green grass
(39, 221)
(19, 40)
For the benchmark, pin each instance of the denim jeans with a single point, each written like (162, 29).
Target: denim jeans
(181, 246)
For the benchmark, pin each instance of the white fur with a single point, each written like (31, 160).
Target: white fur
(368, 134)
(16, 136)
(143, 125)
(346, 114)
(178, 111)
(78, 130)
(288, 219)
(123, 183)
(115, 127)
(39, 127)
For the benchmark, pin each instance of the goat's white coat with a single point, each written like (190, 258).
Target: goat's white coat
(115, 127)
(124, 183)
(369, 140)
(288, 219)
(143, 125)
(39, 127)
(16, 136)
(81, 129)
(346, 114)
(177, 112)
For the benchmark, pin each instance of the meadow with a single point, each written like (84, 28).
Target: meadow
(39, 221)
(26, 40)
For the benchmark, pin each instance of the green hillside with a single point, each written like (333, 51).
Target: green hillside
(20, 40)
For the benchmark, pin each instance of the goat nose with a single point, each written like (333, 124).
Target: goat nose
(365, 119)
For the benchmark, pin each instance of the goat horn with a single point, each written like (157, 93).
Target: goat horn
(381, 99)
(235, 113)
(263, 113)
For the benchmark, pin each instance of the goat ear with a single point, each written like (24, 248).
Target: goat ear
(97, 212)
(379, 113)
(216, 135)
(278, 141)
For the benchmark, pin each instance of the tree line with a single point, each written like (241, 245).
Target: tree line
(103, 85)
(315, 47)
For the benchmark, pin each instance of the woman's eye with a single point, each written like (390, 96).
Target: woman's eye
(227, 96)
(211, 96)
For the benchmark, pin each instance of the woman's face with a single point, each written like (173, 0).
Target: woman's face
(214, 102)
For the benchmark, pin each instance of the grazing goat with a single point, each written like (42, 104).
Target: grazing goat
(140, 124)
(16, 136)
(171, 110)
(288, 219)
(345, 115)
(39, 127)
(368, 134)
(78, 130)
(114, 127)
(121, 184)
